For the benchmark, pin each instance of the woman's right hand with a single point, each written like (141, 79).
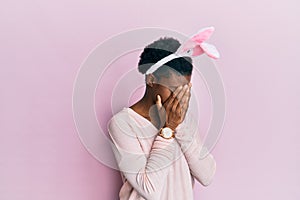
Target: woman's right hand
(174, 108)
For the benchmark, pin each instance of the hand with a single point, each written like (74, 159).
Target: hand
(175, 106)
(185, 100)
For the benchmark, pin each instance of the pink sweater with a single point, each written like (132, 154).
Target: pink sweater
(155, 168)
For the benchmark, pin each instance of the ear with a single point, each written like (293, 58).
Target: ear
(150, 79)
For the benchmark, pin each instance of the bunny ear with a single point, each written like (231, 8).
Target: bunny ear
(210, 50)
(195, 40)
(197, 50)
(194, 46)
(203, 34)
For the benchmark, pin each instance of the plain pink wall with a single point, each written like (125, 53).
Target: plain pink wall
(43, 44)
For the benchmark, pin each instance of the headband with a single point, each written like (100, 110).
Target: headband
(193, 47)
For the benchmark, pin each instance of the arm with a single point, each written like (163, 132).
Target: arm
(146, 174)
(203, 169)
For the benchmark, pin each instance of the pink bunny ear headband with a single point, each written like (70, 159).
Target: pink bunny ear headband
(193, 47)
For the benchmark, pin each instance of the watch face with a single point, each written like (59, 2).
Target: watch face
(167, 132)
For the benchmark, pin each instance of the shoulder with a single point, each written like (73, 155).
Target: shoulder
(120, 121)
(121, 115)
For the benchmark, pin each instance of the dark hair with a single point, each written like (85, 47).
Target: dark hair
(160, 49)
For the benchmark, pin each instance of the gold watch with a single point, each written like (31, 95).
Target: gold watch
(166, 133)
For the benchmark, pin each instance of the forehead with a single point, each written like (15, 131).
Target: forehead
(175, 80)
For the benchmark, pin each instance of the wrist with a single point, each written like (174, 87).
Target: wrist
(171, 126)
(167, 132)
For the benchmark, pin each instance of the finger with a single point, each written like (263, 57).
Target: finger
(186, 96)
(185, 106)
(185, 102)
(160, 112)
(171, 98)
(175, 105)
(158, 101)
(182, 92)
(177, 90)
(178, 110)
(178, 98)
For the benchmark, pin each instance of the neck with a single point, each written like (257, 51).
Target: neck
(147, 100)
(144, 104)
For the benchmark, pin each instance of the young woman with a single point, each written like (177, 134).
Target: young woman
(155, 141)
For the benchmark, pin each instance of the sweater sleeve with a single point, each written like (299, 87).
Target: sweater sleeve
(145, 172)
(202, 168)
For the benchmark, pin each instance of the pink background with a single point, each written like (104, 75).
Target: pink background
(44, 43)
